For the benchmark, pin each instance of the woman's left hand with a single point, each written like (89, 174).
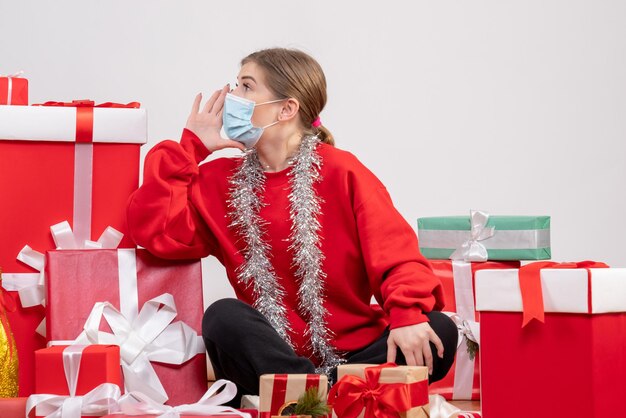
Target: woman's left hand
(414, 341)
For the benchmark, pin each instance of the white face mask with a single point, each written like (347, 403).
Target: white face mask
(237, 119)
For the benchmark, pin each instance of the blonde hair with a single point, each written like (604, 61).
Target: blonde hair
(293, 73)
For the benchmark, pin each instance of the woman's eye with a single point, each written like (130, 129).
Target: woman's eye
(246, 86)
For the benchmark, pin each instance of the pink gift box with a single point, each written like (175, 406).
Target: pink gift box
(77, 279)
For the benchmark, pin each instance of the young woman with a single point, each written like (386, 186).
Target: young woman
(307, 234)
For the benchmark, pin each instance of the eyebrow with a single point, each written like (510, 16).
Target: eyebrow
(248, 76)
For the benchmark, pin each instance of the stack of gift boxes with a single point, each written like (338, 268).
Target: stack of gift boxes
(100, 326)
(72, 277)
(537, 338)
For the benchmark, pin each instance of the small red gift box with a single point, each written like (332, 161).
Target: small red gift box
(463, 380)
(63, 371)
(570, 365)
(13, 90)
(61, 163)
(142, 288)
(279, 390)
(98, 364)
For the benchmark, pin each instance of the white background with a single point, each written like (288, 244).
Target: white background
(514, 107)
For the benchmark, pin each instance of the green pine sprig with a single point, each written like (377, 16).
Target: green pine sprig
(472, 349)
(309, 403)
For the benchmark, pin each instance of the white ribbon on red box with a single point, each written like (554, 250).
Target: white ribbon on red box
(440, 408)
(101, 400)
(222, 391)
(106, 398)
(468, 329)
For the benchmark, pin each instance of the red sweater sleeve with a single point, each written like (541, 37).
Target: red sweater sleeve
(408, 286)
(161, 216)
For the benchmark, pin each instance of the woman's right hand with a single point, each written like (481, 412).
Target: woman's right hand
(206, 124)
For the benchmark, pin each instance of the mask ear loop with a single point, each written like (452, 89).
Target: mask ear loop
(271, 101)
(271, 124)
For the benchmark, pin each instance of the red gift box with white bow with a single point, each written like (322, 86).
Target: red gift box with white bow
(76, 381)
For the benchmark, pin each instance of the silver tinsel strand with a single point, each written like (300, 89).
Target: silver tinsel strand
(247, 186)
(305, 206)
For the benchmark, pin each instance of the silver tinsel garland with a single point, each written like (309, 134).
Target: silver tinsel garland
(247, 187)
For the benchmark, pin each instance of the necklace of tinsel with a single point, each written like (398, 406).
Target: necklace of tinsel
(246, 188)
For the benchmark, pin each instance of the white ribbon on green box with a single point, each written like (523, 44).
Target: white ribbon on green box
(480, 237)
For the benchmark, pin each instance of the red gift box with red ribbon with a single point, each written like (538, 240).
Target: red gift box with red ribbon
(13, 90)
(553, 334)
(387, 390)
(151, 307)
(457, 277)
(75, 162)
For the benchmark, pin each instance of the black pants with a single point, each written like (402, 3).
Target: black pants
(243, 345)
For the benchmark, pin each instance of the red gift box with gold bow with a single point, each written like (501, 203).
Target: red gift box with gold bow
(75, 162)
(387, 390)
(554, 333)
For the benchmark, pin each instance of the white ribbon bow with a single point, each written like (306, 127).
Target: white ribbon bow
(468, 329)
(31, 286)
(137, 403)
(14, 75)
(101, 400)
(472, 249)
(440, 408)
(151, 336)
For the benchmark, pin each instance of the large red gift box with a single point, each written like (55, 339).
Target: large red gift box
(131, 281)
(56, 159)
(13, 90)
(571, 365)
(463, 380)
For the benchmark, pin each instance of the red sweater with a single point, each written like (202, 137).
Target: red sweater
(181, 211)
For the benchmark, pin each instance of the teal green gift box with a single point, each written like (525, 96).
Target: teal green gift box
(514, 237)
